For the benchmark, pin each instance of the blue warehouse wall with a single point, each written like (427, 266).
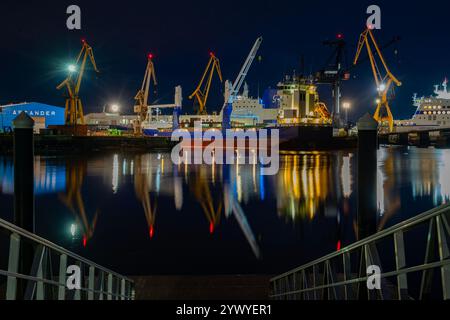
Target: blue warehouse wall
(53, 115)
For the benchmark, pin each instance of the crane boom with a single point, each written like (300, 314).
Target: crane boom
(202, 91)
(243, 73)
(230, 95)
(383, 81)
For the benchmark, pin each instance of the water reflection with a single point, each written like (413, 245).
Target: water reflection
(50, 176)
(73, 200)
(312, 197)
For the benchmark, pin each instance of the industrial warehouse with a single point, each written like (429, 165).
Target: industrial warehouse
(44, 115)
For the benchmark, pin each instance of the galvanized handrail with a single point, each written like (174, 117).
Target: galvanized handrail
(35, 282)
(300, 282)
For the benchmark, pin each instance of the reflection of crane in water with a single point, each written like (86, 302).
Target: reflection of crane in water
(202, 192)
(228, 203)
(74, 200)
(142, 190)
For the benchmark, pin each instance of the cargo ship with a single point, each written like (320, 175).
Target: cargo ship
(293, 107)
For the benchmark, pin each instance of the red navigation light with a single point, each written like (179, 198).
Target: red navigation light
(84, 241)
(211, 228)
(211, 54)
(151, 232)
(340, 36)
(150, 55)
(83, 40)
(338, 246)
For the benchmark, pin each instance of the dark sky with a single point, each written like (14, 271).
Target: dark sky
(36, 46)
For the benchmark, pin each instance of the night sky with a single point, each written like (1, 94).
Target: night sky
(36, 47)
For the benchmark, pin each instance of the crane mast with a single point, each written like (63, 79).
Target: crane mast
(202, 91)
(141, 107)
(73, 107)
(234, 90)
(243, 73)
(383, 81)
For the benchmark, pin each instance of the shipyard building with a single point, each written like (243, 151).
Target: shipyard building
(44, 115)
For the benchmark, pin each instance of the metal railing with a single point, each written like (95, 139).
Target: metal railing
(36, 268)
(410, 253)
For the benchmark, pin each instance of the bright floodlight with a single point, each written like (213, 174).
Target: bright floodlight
(346, 105)
(72, 68)
(377, 101)
(115, 108)
(382, 87)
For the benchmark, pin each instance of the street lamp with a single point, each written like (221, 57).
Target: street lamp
(115, 108)
(111, 108)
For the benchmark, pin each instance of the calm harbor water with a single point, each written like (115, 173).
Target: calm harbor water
(140, 214)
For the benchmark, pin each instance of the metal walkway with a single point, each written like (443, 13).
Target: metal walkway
(407, 270)
(47, 275)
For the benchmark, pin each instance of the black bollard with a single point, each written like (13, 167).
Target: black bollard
(24, 192)
(24, 172)
(367, 176)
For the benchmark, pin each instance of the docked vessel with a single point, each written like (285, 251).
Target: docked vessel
(432, 112)
(293, 106)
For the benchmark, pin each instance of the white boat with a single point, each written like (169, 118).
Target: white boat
(432, 112)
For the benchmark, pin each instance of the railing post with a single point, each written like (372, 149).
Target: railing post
(13, 266)
(314, 274)
(443, 254)
(77, 293)
(62, 277)
(400, 263)
(110, 283)
(346, 262)
(91, 283)
(122, 289)
(101, 284)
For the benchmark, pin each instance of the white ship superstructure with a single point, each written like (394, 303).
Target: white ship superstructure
(248, 111)
(432, 112)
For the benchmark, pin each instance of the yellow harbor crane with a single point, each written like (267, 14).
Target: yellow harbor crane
(141, 106)
(74, 108)
(383, 80)
(202, 91)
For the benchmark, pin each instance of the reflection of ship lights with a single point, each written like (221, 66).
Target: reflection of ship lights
(346, 177)
(444, 176)
(115, 176)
